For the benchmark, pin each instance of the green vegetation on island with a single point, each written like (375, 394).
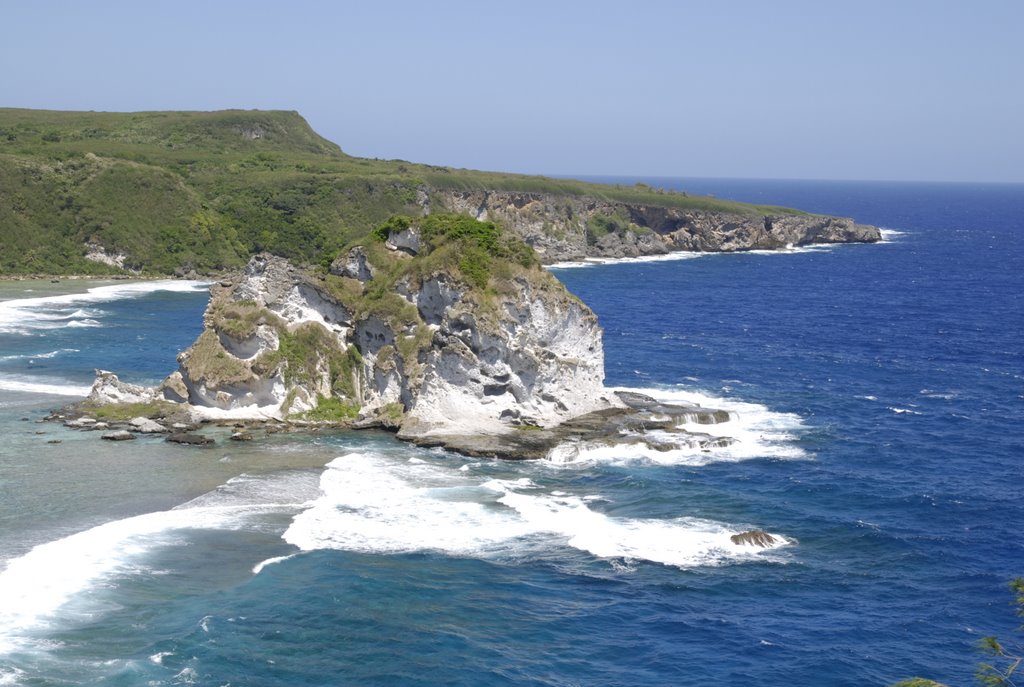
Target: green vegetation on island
(160, 193)
(484, 265)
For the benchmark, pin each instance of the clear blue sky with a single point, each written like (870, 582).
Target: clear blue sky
(925, 90)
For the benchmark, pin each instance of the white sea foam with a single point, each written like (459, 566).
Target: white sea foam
(158, 658)
(664, 257)
(934, 393)
(903, 411)
(690, 255)
(790, 249)
(258, 568)
(11, 675)
(756, 432)
(374, 504)
(23, 315)
(888, 235)
(38, 356)
(42, 586)
(42, 385)
(680, 542)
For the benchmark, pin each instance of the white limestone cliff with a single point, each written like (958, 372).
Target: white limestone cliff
(279, 341)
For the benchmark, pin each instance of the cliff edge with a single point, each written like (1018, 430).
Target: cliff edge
(562, 228)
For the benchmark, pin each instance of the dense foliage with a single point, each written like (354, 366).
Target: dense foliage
(174, 192)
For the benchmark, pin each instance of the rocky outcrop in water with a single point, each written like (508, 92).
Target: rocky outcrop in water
(398, 334)
(444, 329)
(564, 228)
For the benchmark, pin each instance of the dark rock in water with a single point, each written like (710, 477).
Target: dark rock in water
(190, 439)
(609, 427)
(676, 413)
(758, 538)
(54, 441)
(24, 419)
(119, 435)
(241, 436)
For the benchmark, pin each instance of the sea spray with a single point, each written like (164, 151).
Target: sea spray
(374, 504)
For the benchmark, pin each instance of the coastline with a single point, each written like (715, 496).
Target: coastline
(833, 338)
(673, 256)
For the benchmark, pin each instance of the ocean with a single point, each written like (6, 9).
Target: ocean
(878, 399)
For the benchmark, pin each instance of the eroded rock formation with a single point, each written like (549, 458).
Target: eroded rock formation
(391, 340)
(564, 228)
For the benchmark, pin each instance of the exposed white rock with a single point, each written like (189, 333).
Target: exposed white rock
(107, 388)
(541, 364)
(534, 357)
(147, 426)
(174, 388)
(265, 339)
(530, 355)
(98, 253)
(305, 304)
(81, 423)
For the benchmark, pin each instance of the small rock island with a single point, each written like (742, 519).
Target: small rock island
(445, 329)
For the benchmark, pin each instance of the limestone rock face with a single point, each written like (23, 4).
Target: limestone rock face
(107, 388)
(407, 240)
(561, 228)
(278, 342)
(537, 361)
(236, 364)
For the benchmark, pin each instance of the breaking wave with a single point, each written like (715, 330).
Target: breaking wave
(25, 315)
(373, 504)
(753, 431)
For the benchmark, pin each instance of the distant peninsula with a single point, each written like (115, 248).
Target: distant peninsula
(200, 193)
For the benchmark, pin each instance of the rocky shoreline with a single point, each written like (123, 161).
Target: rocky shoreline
(638, 420)
(566, 229)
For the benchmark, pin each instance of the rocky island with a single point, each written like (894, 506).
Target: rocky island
(446, 330)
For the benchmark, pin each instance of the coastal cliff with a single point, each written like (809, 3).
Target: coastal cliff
(200, 193)
(565, 229)
(418, 329)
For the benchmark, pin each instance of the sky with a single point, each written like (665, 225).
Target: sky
(886, 90)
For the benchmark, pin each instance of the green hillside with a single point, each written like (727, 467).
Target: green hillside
(177, 192)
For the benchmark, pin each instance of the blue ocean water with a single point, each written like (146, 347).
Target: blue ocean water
(879, 400)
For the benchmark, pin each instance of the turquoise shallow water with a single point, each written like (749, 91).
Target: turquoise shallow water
(879, 394)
